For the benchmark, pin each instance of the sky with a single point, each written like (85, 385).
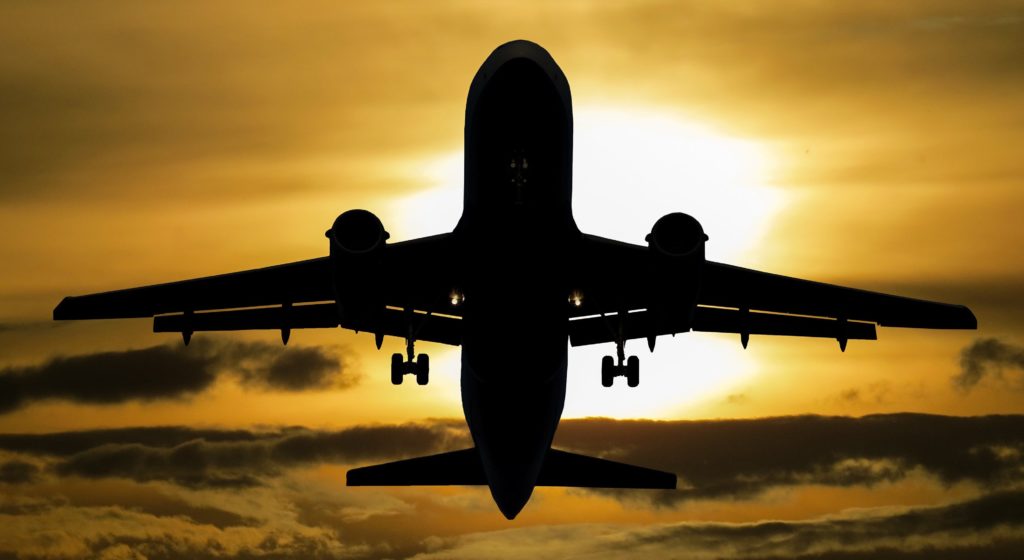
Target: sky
(870, 144)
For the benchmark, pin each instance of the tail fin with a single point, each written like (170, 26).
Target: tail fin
(464, 468)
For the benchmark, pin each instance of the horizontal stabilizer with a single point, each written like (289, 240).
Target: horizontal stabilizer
(463, 468)
(562, 468)
(455, 468)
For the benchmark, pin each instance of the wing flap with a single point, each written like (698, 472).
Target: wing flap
(598, 330)
(434, 328)
(710, 319)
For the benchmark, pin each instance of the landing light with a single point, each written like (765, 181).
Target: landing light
(456, 298)
(576, 298)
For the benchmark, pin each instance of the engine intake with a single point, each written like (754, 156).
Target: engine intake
(676, 235)
(357, 232)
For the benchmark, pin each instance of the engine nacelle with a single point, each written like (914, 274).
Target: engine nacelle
(677, 241)
(677, 235)
(357, 243)
(357, 232)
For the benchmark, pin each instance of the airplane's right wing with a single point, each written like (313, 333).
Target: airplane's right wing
(731, 286)
(633, 300)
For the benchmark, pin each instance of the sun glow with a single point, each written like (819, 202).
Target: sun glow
(630, 167)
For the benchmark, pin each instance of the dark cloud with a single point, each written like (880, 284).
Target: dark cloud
(988, 357)
(737, 398)
(722, 459)
(63, 444)
(986, 527)
(741, 458)
(170, 371)
(211, 458)
(877, 393)
(17, 472)
(713, 458)
(29, 326)
(295, 369)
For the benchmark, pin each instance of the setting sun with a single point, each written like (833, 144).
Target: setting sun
(631, 166)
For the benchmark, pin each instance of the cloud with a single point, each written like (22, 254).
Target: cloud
(17, 472)
(715, 459)
(987, 527)
(226, 459)
(171, 371)
(988, 357)
(742, 458)
(198, 473)
(877, 393)
(57, 530)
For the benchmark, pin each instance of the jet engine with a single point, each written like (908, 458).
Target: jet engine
(357, 240)
(677, 243)
(677, 235)
(357, 232)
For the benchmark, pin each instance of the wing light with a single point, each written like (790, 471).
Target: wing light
(456, 298)
(576, 298)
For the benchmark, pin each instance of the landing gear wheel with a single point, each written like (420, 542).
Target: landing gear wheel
(633, 371)
(607, 371)
(397, 365)
(422, 369)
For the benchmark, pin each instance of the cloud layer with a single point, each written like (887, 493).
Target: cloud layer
(171, 371)
(741, 458)
(190, 492)
(228, 458)
(734, 459)
(986, 527)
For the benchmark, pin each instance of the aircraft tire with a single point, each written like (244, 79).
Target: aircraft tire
(422, 369)
(397, 361)
(633, 371)
(607, 371)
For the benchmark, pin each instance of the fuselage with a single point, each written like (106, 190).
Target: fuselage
(516, 229)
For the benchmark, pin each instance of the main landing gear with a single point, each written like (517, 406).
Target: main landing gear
(401, 366)
(630, 369)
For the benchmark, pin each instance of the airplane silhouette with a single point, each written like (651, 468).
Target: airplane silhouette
(512, 282)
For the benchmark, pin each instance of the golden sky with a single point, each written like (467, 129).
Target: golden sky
(871, 144)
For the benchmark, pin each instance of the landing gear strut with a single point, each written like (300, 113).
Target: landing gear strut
(401, 365)
(630, 369)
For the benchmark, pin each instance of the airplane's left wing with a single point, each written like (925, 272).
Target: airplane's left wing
(297, 295)
(297, 282)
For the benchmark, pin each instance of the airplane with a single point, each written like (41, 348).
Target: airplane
(511, 284)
